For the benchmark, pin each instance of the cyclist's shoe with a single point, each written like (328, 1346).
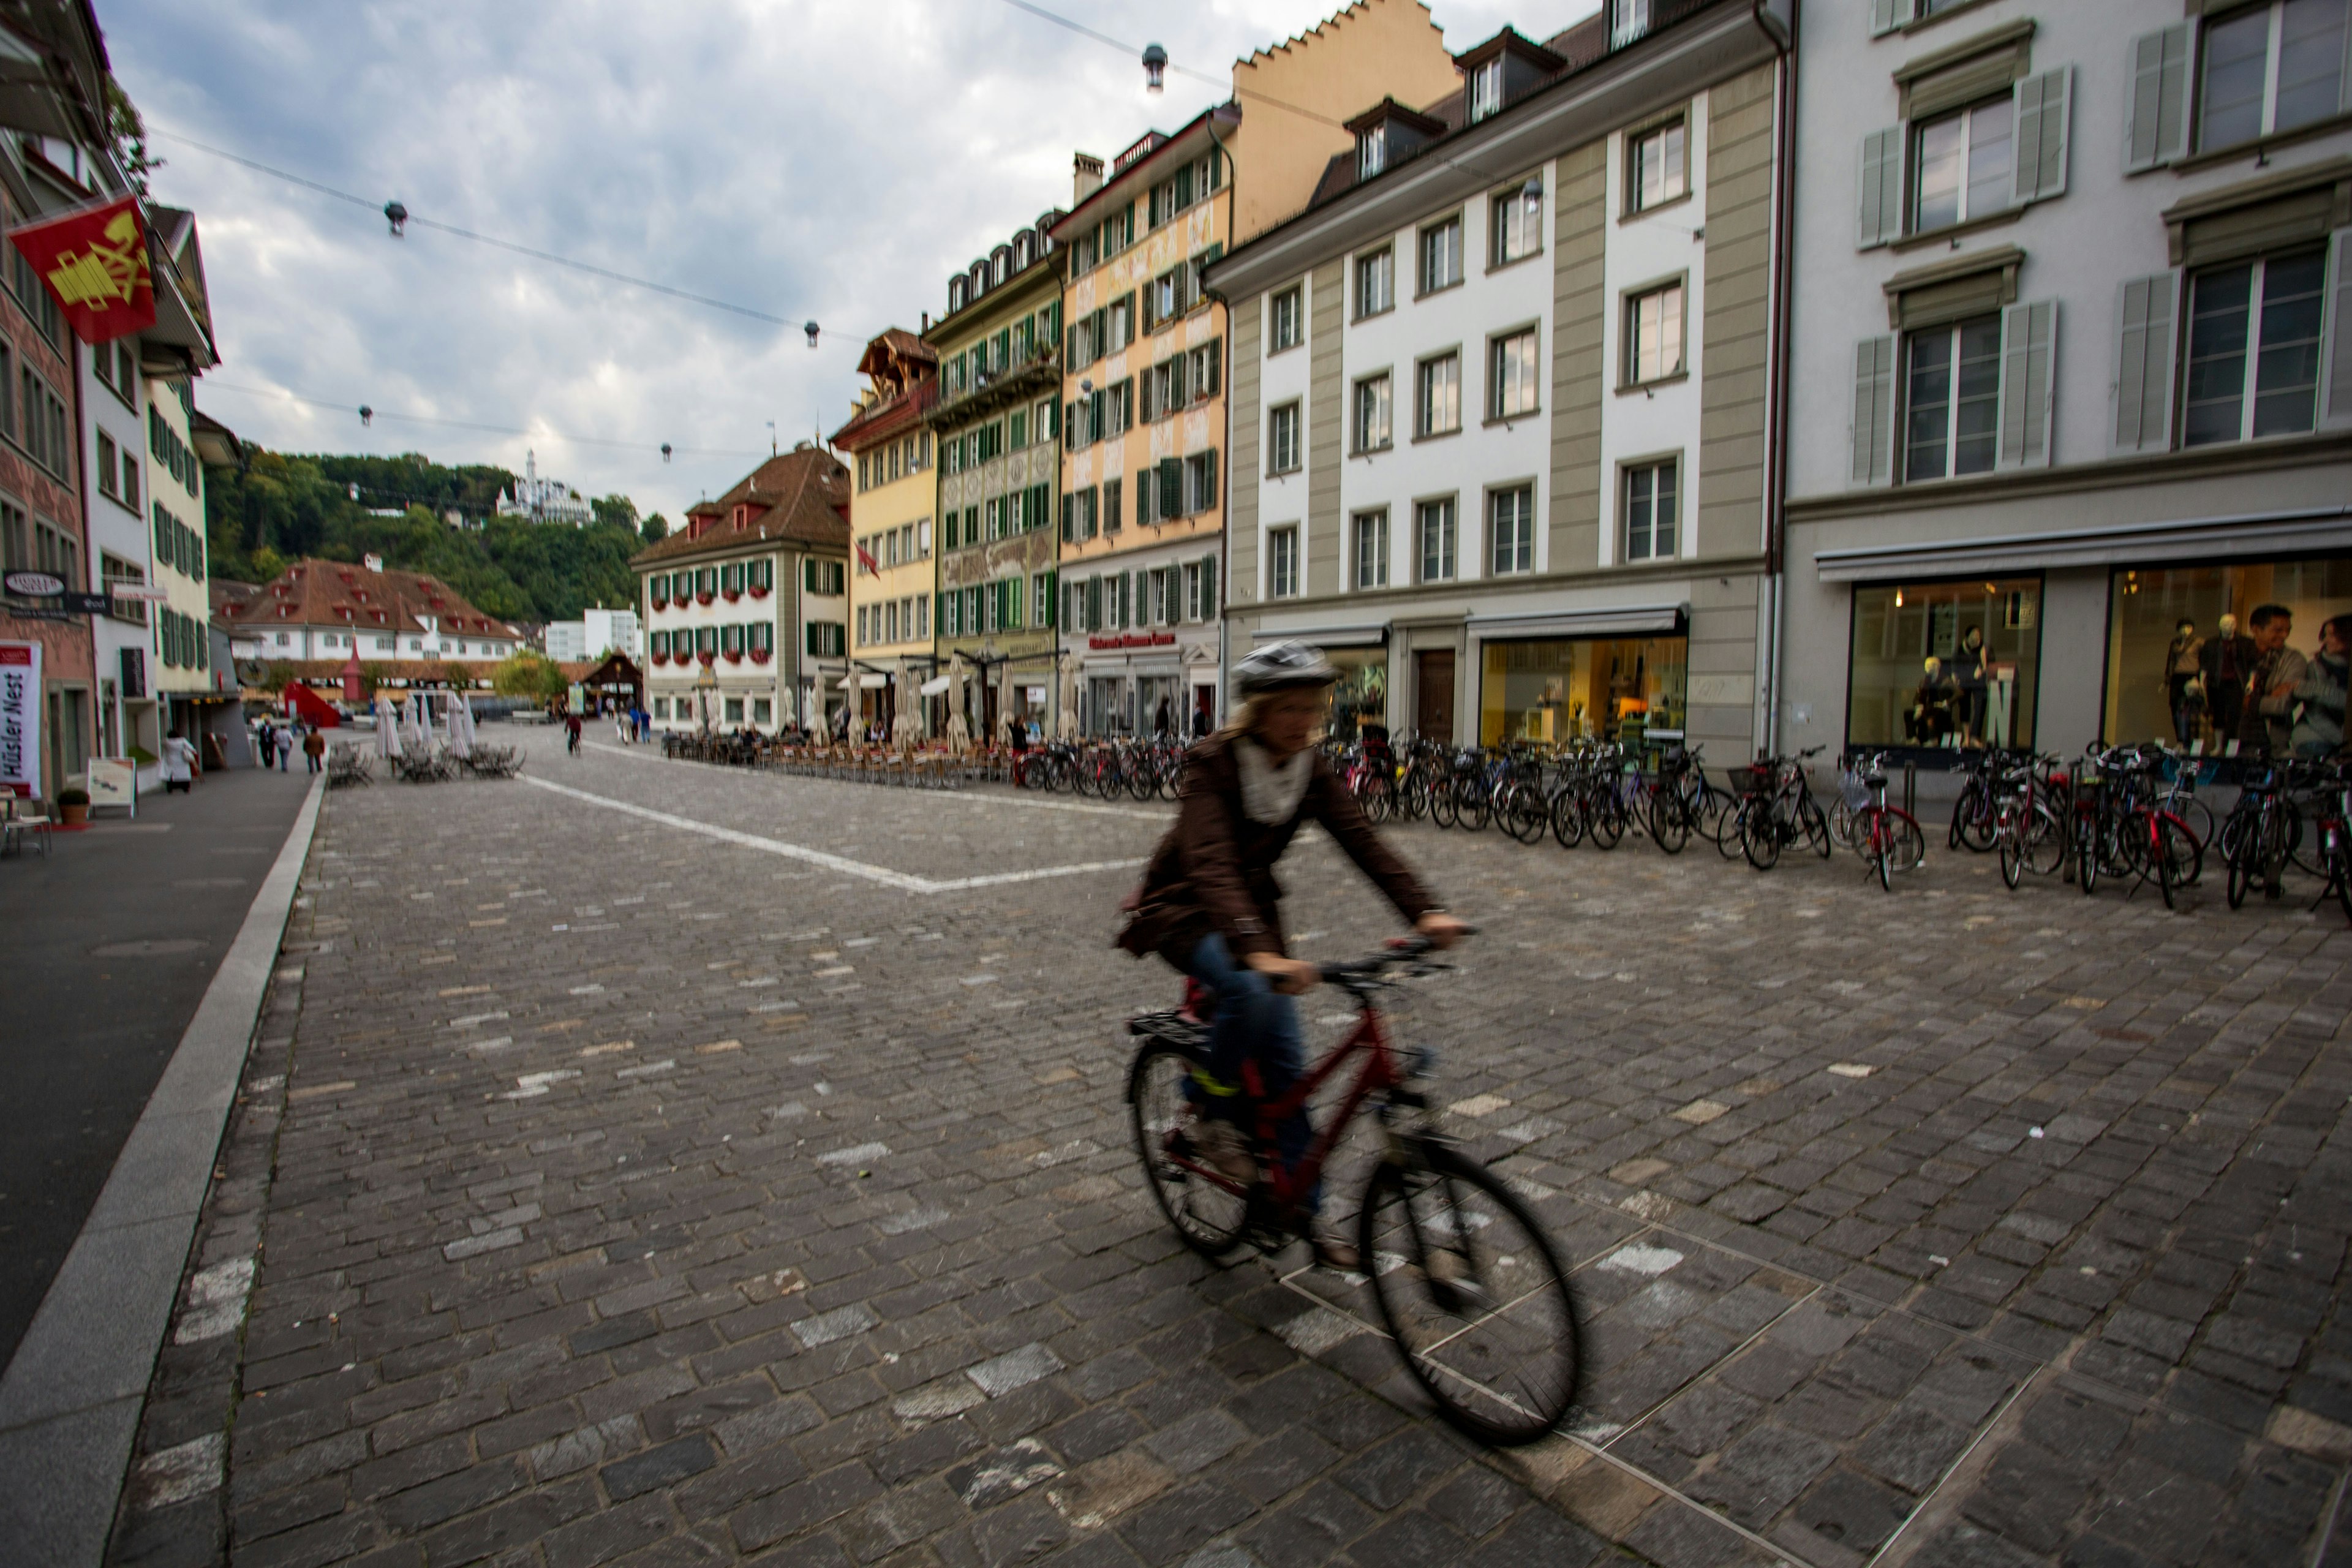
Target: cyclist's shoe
(1222, 1147)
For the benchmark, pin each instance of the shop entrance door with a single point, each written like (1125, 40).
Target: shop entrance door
(1433, 694)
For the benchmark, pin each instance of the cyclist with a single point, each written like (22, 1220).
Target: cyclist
(1210, 904)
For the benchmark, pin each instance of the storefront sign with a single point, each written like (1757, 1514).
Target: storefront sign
(86, 604)
(20, 718)
(1133, 639)
(113, 781)
(139, 593)
(33, 584)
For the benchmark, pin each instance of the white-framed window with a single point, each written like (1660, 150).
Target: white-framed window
(1951, 399)
(1282, 562)
(1441, 255)
(1371, 151)
(1628, 20)
(1435, 530)
(1437, 394)
(1486, 90)
(1372, 429)
(1653, 334)
(2270, 68)
(1511, 530)
(1519, 222)
(661, 707)
(1041, 608)
(2255, 330)
(1282, 438)
(1284, 319)
(1963, 164)
(1371, 548)
(1649, 508)
(1658, 168)
(1513, 377)
(1375, 282)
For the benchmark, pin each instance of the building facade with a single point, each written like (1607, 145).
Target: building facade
(597, 632)
(1501, 393)
(746, 606)
(318, 615)
(996, 429)
(893, 552)
(1146, 347)
(2075, 279)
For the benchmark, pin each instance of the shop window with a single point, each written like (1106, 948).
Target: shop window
(1615, 689)
(1650, 511)
(2254, 348)
(1952, 400)
(2183, 654)
(1433, 524)
(763, 710)
(1282, 562)
(734, 714)
(1946, 665)
(1372, 553)
(2271, 67)
(1511, 530)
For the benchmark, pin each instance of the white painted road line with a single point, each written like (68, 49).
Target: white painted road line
(958, 796)
(882, 874)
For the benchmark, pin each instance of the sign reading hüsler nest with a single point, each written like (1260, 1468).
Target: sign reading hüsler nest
(41, 585)
(20, 718)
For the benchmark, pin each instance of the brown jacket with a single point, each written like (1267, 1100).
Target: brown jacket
(1214, 870)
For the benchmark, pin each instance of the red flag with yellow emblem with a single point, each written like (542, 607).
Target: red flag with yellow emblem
(94, 260)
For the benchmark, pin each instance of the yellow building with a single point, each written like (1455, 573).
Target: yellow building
(891, 544)
(1143, 485)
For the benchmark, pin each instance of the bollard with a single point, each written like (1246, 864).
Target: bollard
(1911, 790)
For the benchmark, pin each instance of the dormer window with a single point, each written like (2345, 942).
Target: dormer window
(1388, 134)
(1628, 20)
(1371, 151)
(1487, 89)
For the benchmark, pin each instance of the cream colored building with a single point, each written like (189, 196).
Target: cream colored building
(1144, 473)
(892, 548)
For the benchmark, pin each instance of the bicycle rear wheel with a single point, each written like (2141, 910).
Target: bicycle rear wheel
(1524, 813)
(1732, 830)
(1604, 818)
(1471, 804)
(1760, 835)
(1670, 825)
(1207, 1211)
(1475, 1294)
(1567, 818)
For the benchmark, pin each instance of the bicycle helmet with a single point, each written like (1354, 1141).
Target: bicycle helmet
(1279, 666)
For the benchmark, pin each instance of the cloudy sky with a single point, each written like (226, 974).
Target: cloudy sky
(826, 159)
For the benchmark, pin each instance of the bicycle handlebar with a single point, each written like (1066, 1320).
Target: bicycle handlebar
(1398, 949)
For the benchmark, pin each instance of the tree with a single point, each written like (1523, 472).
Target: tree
(655, 529)
(616, 511)
(371, 677)
(130, 133)
(275, 679)
(529, 673)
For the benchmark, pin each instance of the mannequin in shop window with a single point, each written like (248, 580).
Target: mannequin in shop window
(1931, 718)
(1971, 666)
(2184, 691)
(2223, 662)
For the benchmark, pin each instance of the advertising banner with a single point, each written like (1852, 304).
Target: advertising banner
(20, 718)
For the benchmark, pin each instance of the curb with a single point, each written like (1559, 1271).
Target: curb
(70, 1399)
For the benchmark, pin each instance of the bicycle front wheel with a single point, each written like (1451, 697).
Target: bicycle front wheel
(1760, 835)
(1469, 1286)
(1669, 821)
(1207, 1211)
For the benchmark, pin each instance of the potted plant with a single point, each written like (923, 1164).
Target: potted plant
(73, 806)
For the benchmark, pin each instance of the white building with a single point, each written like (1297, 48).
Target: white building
(597, 633)
(2068, 327)
(329, 612)
(544, 500)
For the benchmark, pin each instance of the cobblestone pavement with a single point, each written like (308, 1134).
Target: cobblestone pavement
(734, 1168)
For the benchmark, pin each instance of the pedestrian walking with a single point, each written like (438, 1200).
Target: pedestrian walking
(285, 743)
(314, 749)
(179, 763)
(265, 743)
(571, 733)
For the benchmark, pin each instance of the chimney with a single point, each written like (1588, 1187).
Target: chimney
(1088, 179)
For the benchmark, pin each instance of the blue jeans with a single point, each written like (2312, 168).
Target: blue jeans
(1254, 1019)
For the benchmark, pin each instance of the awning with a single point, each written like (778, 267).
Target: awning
(1620, 620)
(870, 682)
(2201, 538)
(1325, 637)
(934, 686)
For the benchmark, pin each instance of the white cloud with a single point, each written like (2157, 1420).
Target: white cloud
(826, 159)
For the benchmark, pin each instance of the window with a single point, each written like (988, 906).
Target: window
(1200, 483)
(1191, 183)
(1437, 395)
(15, 539)
(734, 709)
(1434, 526)
(1519, 222)
(822, 577)
(1018, 429)
(1961, 164)
(1952, 400)
(1282, 562)
(1372, 431)
(1204, 370)
(2253, 349)
(1989, 625)
(1375, 283)
(763, 710)
(1628, 20)
(1282, 439)
(1486, 90)
(2271, 67)
(1283, 321)
(1372, 554)
(1111, 490)
(1041, 608)
(1371, 151)
(1658, 170)
(1653, 335)
(1441, 255)
(1650, 511)
(1511, 529)
(827, 639)
(1513, 375)
(108, 464)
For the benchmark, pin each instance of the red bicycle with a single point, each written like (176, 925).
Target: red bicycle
(1468, 1283)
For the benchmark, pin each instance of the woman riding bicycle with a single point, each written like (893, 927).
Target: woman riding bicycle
(1211, 905)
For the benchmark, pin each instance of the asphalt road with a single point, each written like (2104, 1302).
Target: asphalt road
(111, 943)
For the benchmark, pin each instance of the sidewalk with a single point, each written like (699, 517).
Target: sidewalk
(111, 943)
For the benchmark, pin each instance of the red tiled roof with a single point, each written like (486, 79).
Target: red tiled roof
(800, 497)
(336, 594)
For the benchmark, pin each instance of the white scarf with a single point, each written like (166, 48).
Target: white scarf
(1271, 794)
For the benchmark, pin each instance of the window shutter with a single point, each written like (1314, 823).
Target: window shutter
(1208, 479)
(1874, 411)
(1208, 588)
(1147, 378)
(2028, 334)
(1176, 395)
(2339, 362)
(1171, 499)
(2156, 119)
(1217, 367)
(1881, 186)
(1885, 16)
(2144, 365)
(2043, 103)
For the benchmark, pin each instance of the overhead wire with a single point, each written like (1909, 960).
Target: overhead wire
(283, 394)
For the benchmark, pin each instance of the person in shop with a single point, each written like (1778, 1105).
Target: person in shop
(2319, 695)
(2223, 662)
(2184, 692)
(1931, 718)
(1970, 668)
(2268, 717)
